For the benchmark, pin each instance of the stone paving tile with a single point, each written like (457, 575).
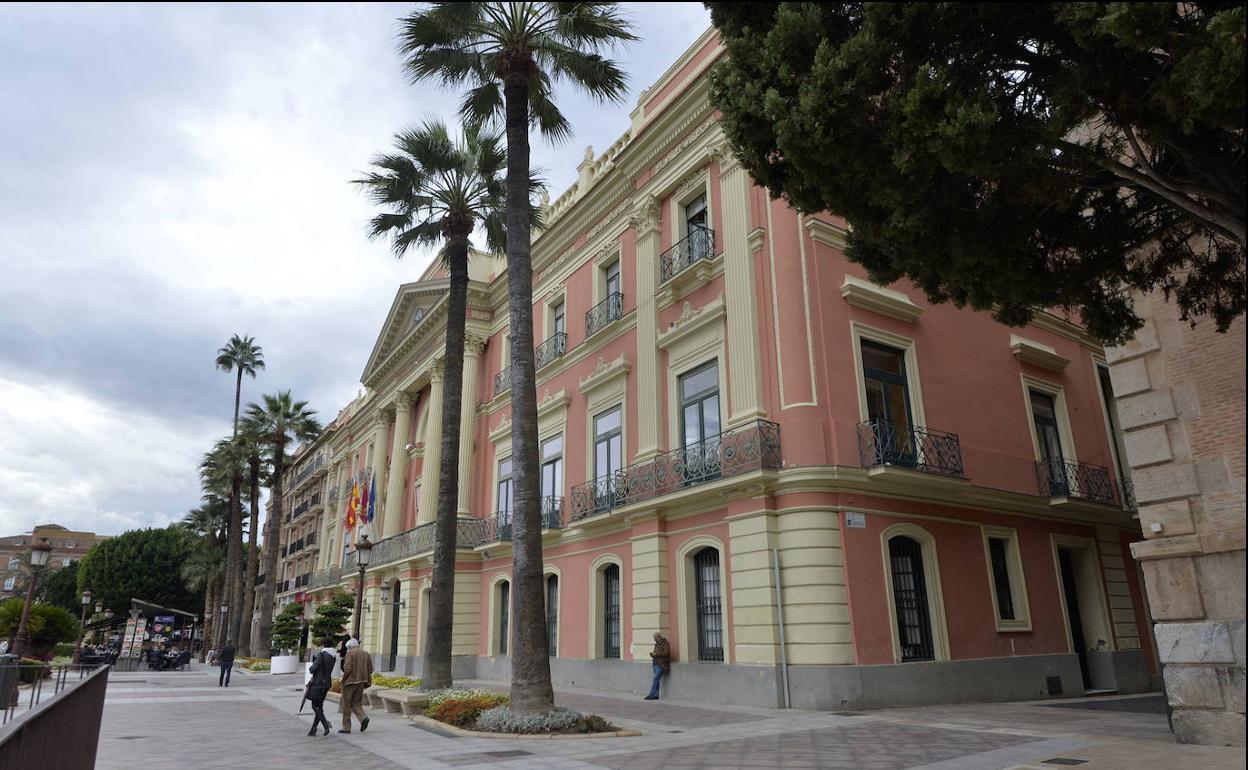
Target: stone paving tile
(872, 746)
(653, 712)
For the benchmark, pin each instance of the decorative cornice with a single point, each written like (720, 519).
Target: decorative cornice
(826, 233)
(1037, 354)
(755, 238)
(552, 402)
(499, 431)
(869, 296)
(605, 372)
(692, 320)
(1063, 328)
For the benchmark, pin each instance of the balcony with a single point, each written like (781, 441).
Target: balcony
(498, 528)
(405, 545)
(601, 315)
(308, 468)
(310, 540)
(283, 551)
(502, 381)
(692, 249)
(753, 446)
(548, 351)
(1062, 482)
(910, 447)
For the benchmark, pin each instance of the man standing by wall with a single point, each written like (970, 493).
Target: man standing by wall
(661, 661)
(357, 674)
(226, 660)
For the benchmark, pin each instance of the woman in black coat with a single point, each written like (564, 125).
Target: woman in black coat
(322, 671)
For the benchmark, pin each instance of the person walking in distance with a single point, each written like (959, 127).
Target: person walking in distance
(660, 663)
(322, 671)
(357, 674)
(226, 661)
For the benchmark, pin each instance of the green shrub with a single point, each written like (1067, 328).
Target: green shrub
(592, 723)
(258, 665)
(462, 707)
(64, 649)
(32, 669)
(501, 719)
(286, 630)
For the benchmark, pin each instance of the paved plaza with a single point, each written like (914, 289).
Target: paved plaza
(253, 723)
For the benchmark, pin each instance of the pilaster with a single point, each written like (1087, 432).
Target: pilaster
(744, 369)
(645, 222)
(392, 521)
(473, 346)
(427, 509)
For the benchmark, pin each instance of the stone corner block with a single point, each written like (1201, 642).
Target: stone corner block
(1210, 728)
(1207, 642)
(1144, 341)
(1149, 408)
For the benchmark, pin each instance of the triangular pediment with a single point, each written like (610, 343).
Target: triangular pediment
(413, 303)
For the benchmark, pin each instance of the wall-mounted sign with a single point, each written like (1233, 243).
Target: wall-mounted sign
(855, 520)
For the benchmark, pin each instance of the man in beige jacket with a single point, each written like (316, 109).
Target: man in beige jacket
(357, 673)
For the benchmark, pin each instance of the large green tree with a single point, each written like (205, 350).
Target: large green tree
(436, 191)
(59, 587)
(280, 420)
(507, 57)
(1006, 156)
(141, 564)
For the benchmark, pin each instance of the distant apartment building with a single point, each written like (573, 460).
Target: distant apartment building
(67, 546)
(746, 446)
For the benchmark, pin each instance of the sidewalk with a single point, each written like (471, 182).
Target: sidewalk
(254, 723)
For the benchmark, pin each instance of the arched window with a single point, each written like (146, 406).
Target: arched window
(709, 605)
(611, 611)
(15, 562)
(552, 613)
(504, 607)
(914, 622)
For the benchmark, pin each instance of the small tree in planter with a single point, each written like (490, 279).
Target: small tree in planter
(331, 617)
(286, 638)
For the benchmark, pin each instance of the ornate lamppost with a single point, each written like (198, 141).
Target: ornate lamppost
(363, 551)
(39, 553)
(82, 631)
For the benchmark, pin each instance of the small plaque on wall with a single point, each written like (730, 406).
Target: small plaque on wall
(855, 520)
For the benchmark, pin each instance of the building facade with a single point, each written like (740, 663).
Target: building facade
(67, 547)
(824, 492)
(1180, 394)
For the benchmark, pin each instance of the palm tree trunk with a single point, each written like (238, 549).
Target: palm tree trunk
(272, 533)
(234, 559)
(531, 690)
(253, 560)
(210, 601)
(238, 394)
(437, 665)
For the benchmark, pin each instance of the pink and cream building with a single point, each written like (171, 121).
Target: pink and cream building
(820, 489)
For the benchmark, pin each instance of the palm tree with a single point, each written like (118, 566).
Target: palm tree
(243, 355)
(280, 421)
(221, 473)
(252, 445)
(437, 191)
(203, 568)
(508, 56)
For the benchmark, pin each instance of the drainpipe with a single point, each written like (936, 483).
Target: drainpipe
(784, 657)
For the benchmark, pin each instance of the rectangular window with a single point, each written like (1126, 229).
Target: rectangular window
(1005, 570)
(552, 613)
(888, 402)
(504, 605)
(608, 456)
(1049, 441)
(8, 583)
(552, 468)
(613, 284)
(697, 228)
(1001, 577)
(699, 424)
(559, 318)
(504, 487)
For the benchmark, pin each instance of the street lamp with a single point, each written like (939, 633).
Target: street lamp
(363, 551)
(39, 553)
(86, 602)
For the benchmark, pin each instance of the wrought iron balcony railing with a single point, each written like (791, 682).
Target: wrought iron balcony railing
(601, 315)
(502, 381)
(1059, 478)
(499, 527)
(909, 446)
(698, 244)
(753, 446)
(551, 349)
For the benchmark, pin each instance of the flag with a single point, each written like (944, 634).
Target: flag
(362, 511)
(372, 497)
(353, 502)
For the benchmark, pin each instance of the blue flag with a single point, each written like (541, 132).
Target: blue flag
(372, 498)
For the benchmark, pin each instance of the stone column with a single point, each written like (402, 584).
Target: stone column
(377, 462)
(428, 508)
(744, 369)
(645, 222)
(473, 346)
(1180, 400)
(393, 519)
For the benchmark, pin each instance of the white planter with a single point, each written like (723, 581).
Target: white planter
(284, 664)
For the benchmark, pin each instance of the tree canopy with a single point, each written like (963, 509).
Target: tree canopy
(1006, 156)
(141, 564)
(331, 618)
(59, 587)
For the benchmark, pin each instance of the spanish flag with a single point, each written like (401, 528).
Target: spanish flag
(353, 504)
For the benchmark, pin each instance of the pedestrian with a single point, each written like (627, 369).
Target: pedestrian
(357, 675)
(342, 649)
(322, 670)
(660, 663)
(226, 660)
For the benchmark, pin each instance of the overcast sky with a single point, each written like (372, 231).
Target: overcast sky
(171, 175)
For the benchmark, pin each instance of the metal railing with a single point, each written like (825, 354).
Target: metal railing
(1060, 478)
(404, 545)
(909, 446)
(502, 381)
(60, 727)
(499, 527)
(601, 315)
(753, 446)
(698, 244)
(551, 349)
(308, 468)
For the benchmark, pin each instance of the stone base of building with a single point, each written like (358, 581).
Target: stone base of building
(845, 687)
(1204, 673)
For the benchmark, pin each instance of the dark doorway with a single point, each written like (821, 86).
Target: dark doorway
(1073, 616)
(394, 626)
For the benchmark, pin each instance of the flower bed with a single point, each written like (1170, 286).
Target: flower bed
(258, 665)
(395, 682)
(487, 711)
(462, 707)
